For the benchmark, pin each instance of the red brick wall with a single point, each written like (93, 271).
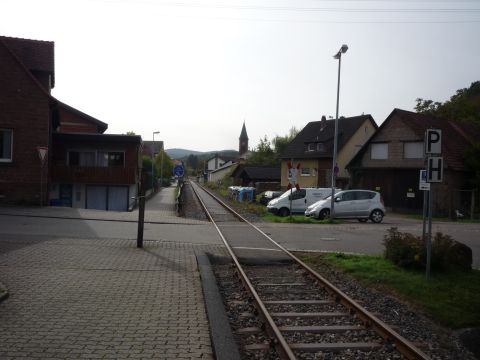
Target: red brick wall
(24, 107)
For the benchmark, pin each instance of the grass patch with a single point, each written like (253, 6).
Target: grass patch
(451, 299)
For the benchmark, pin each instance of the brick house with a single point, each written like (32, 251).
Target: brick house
(313, 149)
(31, 118)
(391, 160)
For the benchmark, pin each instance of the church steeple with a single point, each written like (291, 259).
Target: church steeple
(243, 141)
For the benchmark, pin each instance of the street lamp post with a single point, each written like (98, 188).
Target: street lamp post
(338, 56)
(153, 155)
(161, 166)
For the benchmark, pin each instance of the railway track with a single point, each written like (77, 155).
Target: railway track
(305, 316)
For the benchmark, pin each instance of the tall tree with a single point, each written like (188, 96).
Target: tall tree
(464, 105)
(263, 154)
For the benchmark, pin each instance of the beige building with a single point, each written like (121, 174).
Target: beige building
(312, 148)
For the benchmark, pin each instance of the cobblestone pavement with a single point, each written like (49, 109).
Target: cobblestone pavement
(74, 298)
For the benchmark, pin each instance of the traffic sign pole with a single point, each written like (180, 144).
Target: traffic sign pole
(433, 149)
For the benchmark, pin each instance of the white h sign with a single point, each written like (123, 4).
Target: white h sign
(433, 141)
(435, 169)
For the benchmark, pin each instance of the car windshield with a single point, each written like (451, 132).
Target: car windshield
(286, 193)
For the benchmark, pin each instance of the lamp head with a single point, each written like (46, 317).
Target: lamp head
(156, 132)
(342, 50)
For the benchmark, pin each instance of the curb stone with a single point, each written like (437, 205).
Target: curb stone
(223, 342)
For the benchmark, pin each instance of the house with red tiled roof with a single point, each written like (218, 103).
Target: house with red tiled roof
(390, 162)
(82, 166)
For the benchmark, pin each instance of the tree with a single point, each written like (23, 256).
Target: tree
(263, 154)
(167, 170)
(130, 133)
(463, 106)
(280, 143)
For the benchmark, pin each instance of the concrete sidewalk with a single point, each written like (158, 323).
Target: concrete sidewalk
(92, 298)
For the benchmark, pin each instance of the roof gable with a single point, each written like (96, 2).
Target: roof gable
(323, 132)
(456, 136)
(35, 55)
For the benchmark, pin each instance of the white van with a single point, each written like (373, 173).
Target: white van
(301, 199)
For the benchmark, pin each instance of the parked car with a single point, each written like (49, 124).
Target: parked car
(301, 199)
(269, 195)
(357, 204)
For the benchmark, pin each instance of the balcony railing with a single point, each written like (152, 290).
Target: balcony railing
(93, 175)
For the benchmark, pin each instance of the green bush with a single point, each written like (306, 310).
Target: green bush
(404, 249)
(410, 252)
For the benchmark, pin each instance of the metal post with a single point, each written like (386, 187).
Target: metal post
(153, 156)
(334, 161)
(425, 213)
(472, 205)
(429, 237)
(41, 185)
(141, 212)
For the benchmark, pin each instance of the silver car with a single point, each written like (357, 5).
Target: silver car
(354, 204)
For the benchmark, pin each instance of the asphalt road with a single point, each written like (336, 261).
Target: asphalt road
(350, 236)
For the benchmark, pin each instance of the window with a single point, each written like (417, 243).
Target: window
(364, 195)
(299, 194)
(379, 151)
(321, 147)
(6, 145)
(81, 158)
(96, 159)
(311, 147)
(413, 150)
(305, 172)
(346, 196)
(115, 158)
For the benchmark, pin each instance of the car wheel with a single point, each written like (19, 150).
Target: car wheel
(362, 220)
(324, 214)
(283, 212)
(376, 216)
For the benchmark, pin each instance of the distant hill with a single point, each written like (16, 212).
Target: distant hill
(184, 153)
(180, 153)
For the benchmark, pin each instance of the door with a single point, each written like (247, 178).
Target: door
(345, 204)
(65, 195)
(118, 198)
(96, 197)
(363, 199)
(299, 201)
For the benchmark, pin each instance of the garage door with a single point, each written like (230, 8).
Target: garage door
(96, 197)
(118, 198)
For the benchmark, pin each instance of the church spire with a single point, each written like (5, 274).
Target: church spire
(243, 141)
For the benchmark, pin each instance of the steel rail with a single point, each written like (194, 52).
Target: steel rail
(281, 344)
(405, 347)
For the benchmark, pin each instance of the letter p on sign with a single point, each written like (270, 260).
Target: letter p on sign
(433, 141)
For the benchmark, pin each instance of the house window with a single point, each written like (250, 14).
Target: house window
(6, 145)
(413, 150)
(379, 151)
(110, 158)
(311, 147)
(115, 158)
(81, 158)
(321, 147)
(305, 172)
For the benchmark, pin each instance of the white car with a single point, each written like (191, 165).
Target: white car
(299, 198)
(354, 204)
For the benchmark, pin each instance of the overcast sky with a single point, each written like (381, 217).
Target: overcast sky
(196, 69)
